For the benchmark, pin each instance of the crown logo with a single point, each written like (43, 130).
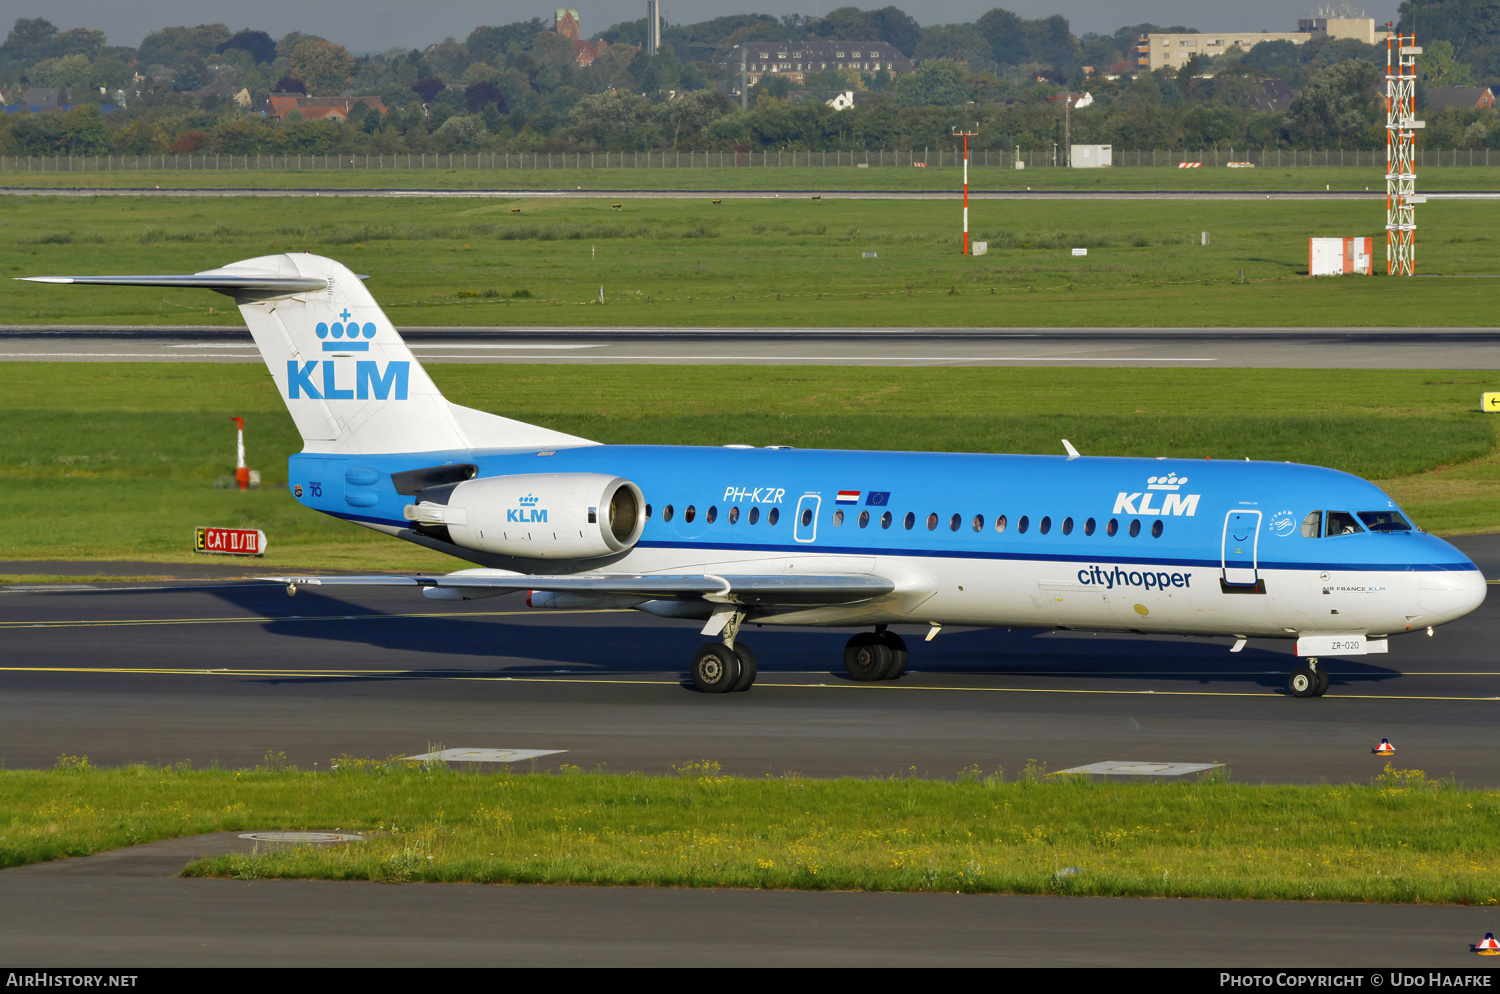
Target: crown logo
(529, 500)
(1169, 482)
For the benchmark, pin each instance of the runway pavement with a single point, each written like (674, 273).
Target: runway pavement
(1292, 347)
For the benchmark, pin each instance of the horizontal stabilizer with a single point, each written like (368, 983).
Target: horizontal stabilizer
(237, 284)
(747, 590)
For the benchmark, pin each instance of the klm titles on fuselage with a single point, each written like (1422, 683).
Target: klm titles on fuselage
(1173, 503)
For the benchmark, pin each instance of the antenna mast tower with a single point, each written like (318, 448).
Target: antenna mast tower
(1401, 53)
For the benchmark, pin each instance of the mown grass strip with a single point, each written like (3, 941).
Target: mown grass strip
(780, 262)
(1402, 838)
(129, 458)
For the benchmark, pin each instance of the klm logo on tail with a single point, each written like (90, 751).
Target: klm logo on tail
(369, 380)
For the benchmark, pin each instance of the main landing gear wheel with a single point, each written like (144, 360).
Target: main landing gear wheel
(716, 669)
(871, 656)
(1308, 681)
(747, 667)
(899, 655)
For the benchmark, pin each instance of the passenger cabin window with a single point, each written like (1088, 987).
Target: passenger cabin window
(838, 518)
(1023, 524)
(774, 516)
(666, 513)
(687, 515)
(864, 518)
(712, 515)
(754, 515)
(1312, 525)
(885, 520)
(1000, 523)
(734, 515)
(1340, 523)
(1385, 521)
(909, 520)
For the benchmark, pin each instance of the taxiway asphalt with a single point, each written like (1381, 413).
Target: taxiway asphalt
(216, 669)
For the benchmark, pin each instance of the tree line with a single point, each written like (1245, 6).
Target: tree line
(519, 87)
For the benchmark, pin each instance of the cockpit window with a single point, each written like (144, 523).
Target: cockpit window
(1312, 525)
(1341, 523)
(1385, 521)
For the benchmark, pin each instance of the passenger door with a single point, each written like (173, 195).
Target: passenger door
(806, 528)
(1239, 552)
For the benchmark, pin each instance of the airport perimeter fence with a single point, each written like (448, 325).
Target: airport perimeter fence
(1047, 157)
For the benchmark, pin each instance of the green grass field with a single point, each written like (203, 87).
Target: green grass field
(784, 177)
(758, 263)
(1401, 838)
(125, 457)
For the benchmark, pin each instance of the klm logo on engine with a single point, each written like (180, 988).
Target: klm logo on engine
(304, 379)
(527, 512)
(1165, 487)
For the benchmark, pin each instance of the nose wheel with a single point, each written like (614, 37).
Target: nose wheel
(1308, 681)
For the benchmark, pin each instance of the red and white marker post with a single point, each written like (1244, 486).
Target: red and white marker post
(966, 136)
(241, 471)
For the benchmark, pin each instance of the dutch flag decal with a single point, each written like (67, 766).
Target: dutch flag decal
(848, 497)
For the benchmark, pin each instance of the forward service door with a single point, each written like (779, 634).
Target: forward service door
(1239, 552)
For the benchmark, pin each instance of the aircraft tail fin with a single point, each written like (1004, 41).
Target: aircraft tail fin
(345, 374)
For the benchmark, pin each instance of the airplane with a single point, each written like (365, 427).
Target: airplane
(738, 535)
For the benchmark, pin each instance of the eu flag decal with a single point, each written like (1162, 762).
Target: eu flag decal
(878, 498)
(848, 497)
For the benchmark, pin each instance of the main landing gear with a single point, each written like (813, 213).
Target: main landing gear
(729, 666)
(1308, 681)
(725, 667)
(877, 655)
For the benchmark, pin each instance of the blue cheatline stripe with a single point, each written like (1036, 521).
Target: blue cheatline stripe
(1075, 557)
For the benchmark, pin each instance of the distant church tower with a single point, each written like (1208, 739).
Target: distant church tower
(653, 26)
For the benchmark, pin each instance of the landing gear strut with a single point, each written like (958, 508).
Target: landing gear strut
(877, 655)
(1308, 681)
(725, 667)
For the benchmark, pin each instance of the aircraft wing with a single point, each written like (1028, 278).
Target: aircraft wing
(750, 590)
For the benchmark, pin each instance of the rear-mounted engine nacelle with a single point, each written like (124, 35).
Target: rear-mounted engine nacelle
(535, 515)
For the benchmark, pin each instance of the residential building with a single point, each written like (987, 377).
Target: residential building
(796, 59)
(280, 105)
(1157, 51)
(1440, 98)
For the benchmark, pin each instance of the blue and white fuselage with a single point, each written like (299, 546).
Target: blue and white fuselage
(1190, 546)
(737, 535)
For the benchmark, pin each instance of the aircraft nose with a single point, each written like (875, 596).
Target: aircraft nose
(1444, 595)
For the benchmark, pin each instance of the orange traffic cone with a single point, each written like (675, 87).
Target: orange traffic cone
(1488, 947)
(1384, 749)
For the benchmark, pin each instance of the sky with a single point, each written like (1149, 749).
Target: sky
(379, 25)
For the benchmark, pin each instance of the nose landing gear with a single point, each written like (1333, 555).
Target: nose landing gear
(1308, 681)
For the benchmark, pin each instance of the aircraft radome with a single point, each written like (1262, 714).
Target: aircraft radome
(779, 536)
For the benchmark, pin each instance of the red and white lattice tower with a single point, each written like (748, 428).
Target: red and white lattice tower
(1401, 53)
